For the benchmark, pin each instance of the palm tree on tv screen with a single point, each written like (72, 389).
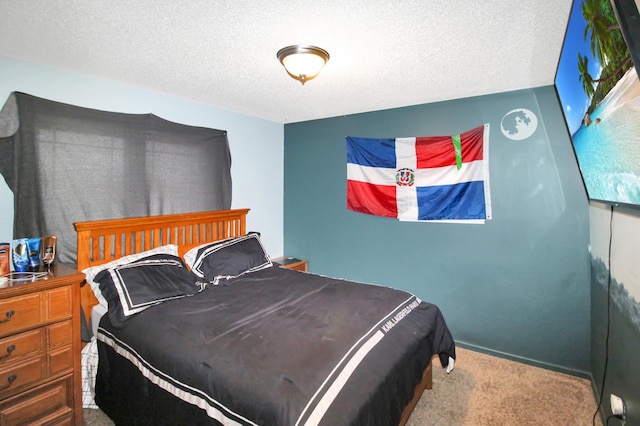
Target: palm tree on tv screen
(607, 46)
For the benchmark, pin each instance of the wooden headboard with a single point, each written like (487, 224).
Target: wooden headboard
(103, 241)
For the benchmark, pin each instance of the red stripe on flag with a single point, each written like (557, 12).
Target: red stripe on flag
(379, 200)
(438, 151)
(472, 144)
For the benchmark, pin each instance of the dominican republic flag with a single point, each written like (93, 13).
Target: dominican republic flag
(421, 178)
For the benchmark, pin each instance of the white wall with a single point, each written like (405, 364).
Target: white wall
(256, 144)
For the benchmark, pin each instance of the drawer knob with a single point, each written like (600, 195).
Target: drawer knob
(9, 314)
(12, 378)
(10, 349)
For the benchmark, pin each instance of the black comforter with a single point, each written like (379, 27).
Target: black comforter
(273, 347)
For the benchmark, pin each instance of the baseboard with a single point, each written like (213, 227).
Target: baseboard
(560, 369)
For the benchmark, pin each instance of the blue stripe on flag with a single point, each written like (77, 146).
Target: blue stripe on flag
(460, 201)
(372, 152)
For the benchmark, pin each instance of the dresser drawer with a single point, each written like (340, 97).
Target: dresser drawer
(58, 303)
(60, 360)
(68, 421)
(46, 405)
(17, 376)
(15, 347)
(60, 334)
(20, 312)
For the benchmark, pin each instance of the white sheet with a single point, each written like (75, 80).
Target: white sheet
(89, 371)
(96, 313)
(90, 360)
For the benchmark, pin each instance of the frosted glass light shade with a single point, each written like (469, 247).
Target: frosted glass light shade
(303, 62)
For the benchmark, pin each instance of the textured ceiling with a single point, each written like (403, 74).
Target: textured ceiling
(384, 54)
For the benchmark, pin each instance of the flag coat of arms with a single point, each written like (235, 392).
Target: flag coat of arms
(421, 178)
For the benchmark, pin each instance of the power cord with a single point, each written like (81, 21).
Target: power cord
(606, 345)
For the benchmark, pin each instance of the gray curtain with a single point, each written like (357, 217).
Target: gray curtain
(68, 164)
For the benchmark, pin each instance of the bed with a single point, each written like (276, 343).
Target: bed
(201, 328)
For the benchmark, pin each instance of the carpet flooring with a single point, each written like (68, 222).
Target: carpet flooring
(485, 390)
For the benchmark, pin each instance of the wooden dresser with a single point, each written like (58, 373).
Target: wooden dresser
(40, 376)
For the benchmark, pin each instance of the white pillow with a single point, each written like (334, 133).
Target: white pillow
(92, 271)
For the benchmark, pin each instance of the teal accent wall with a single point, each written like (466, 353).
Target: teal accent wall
(517, 286)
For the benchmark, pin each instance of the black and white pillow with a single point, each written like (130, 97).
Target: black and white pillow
(228, 258)
(136, 286)
(93, 271)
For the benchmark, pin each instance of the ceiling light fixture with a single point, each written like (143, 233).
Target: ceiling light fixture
(303, 62)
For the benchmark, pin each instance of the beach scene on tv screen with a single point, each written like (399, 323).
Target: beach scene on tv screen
(599, 90)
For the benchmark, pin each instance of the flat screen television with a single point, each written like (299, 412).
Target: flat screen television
(599, 91)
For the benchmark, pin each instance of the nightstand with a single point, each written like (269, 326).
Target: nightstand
(291, 263)
(40, 376)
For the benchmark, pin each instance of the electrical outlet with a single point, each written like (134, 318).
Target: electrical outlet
(617, 406)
